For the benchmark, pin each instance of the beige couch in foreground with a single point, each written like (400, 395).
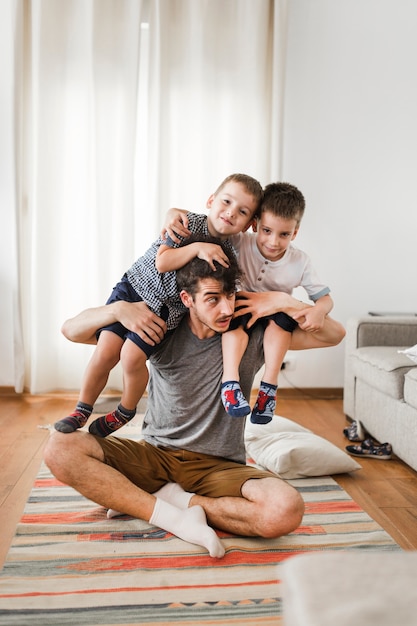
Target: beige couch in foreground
(357, 588)
(380, 387)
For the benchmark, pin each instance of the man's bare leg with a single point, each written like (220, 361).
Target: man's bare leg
(269, 507)
(77, 460)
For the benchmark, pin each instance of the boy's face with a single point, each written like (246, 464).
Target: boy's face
(231, 210)
(211, 309)
(274, 235)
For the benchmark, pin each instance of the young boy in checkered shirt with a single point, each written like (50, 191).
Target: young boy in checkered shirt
(231, 210)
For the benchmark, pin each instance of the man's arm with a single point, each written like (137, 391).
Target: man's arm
(261, 304)
(136, 316)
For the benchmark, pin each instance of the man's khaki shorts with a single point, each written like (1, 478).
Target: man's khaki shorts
(150, 468)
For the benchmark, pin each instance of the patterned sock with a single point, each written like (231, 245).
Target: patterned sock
(76, 420)
(233, 399)
(189, 525)
(107, 424)
(264, 408)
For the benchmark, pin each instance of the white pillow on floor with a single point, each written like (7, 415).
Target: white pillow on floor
(292, 451)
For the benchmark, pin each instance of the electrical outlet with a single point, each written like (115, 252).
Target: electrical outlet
(288, 364)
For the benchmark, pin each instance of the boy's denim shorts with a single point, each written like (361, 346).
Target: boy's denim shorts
(124, 291)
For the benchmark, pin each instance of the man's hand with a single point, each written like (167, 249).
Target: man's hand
(176, 223)
(137, 317)
(263, 303)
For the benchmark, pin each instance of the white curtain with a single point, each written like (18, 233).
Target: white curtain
(126, 108)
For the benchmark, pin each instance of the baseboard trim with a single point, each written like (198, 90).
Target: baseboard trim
(312, 393)
(8, 391)
(308, 393)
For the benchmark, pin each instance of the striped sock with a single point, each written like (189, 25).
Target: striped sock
(264, 408)
(76, 420)
(107, 424)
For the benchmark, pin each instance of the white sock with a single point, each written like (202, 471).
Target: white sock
(113, 513)
(189, 525)
(171, 492)
(174, 494)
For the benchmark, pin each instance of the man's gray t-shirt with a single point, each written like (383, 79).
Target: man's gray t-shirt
(185, 410)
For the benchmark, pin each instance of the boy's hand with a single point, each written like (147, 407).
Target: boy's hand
(313, 319)
(176, 225)
(211, 252)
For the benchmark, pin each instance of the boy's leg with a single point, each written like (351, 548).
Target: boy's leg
(135, 379)
(105, 356)
(276, 343)
(234, 344)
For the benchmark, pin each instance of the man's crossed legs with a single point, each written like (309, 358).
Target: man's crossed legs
(136, 478)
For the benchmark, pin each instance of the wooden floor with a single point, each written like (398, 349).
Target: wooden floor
(387, 490)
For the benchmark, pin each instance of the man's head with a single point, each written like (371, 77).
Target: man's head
(209, 295)
(279, 219)
(233, 205)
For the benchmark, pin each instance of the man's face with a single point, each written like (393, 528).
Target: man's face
(211, 309)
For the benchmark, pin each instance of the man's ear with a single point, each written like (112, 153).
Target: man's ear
(186, 298)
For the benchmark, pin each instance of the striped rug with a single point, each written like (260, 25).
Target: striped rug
(69, 565)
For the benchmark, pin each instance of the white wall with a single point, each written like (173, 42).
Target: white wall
(350, 137)
(350, 144)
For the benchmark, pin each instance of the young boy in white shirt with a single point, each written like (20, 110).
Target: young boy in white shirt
(271, 263)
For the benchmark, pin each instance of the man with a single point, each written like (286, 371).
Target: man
(189, 467)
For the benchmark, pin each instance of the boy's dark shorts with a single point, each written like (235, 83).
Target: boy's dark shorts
(124, 291)
(150, 467)
(282, 320)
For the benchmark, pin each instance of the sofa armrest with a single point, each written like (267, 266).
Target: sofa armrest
(374, 330)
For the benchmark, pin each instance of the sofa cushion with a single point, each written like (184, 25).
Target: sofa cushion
(382, 367)
(410, 387)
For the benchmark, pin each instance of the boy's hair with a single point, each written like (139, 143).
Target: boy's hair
(283, 200)
(251, 185)
(189, 276)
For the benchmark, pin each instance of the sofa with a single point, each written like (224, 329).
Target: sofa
(350, 588)
(380, 383)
